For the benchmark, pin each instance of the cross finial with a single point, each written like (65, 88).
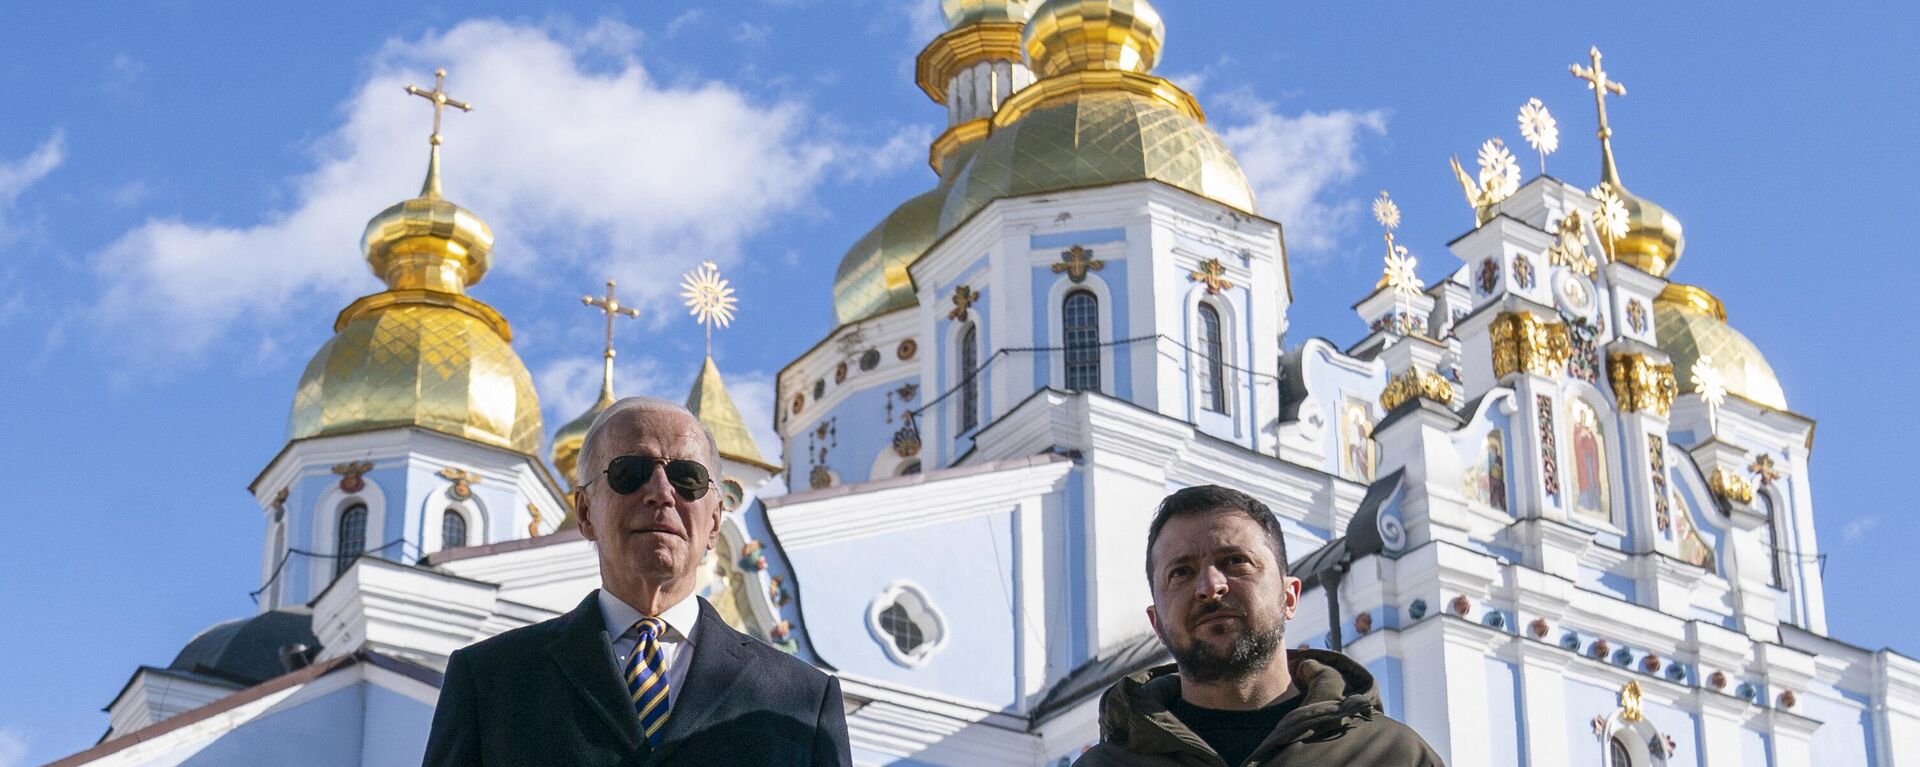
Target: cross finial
(438, 96)
(1076, 262)
(1597, 79)
(612, 308)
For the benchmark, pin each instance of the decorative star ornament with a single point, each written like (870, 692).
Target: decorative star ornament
(1611, 219)
(1539, 129)
(1400, 275)
(1386, 211)
(708, 298)
(1499, 171)
(1711, 388)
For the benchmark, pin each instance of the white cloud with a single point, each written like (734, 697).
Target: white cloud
(923, 18)
(1297, 165)
(682, 21)
(594, 164)
(13, 747)
(903, 150)
(18, 175)
(1857, 528)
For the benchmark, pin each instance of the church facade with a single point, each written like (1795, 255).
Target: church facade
(1555, 502)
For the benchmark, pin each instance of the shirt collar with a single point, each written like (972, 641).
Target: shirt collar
(681, 619)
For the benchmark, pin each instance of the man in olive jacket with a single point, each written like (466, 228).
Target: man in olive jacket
(1234, 696)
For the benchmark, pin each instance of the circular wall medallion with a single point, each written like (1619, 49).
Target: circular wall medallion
(869, 360)
(907, 349)
(819, 388)
(1574, 293)
(840, 373)
(799, 401)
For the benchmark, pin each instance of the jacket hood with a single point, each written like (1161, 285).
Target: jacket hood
(1134, 711)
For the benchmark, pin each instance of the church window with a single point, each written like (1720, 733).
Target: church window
(1080, 328)
(453, 529)
(1213, 367)
(1770, 536)
(1589, 463)
(970, 382)
(909, 468)
(1617, 755)
(906, 625)
(351, 538)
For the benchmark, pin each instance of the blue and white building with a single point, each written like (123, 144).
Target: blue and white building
(1555, 502)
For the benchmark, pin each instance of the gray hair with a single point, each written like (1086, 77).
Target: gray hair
(592, 459)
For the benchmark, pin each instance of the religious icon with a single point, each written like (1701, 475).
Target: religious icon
(1486, 479)
(1693, 548)
(1356, 441)
(1589, 463)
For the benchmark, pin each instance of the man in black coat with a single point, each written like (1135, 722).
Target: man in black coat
(642, 672)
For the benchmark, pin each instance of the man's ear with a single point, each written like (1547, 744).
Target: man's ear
(580, 515)
(1153, 619)
(1291, 602)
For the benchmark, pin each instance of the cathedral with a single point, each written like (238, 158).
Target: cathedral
(1555, 502)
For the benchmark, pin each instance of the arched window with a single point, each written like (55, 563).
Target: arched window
(1213, 365)
(453, 529)
(909, 468)
(970, 387)
(351, 539)
(1770, 536)
(1080, 329)
(1617, 755)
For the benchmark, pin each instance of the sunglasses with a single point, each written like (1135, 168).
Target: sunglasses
(626, 474)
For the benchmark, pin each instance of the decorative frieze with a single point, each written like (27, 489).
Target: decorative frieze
(1641, 384)
(1415, 382)
(1523, 342)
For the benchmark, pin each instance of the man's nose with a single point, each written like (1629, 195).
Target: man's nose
(657, 491)
(1212, 584)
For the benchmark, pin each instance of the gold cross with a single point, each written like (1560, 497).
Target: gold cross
(1076, 262)
(1763, 469)
(1213, 273)
(440, 101)
(612, 308)
(1597, 80)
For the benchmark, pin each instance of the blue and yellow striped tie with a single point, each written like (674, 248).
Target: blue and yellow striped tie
(647, 680)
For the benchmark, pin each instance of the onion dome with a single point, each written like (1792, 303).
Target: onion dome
(1691, 325)
(961, 13)
(1099, 118)
(1654, 240)
(872, 278)
(710, 402)
(567, 442)
(422, 353)
(1072, 35)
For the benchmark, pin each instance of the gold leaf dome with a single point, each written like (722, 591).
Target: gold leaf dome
(872, 278)
(565, 452)
(960, 13)
(1096, 138)
(1075, 35)
(1690, 324)
(422, 353)
(1654, 239)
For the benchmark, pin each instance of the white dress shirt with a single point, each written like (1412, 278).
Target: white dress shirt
(676, 647)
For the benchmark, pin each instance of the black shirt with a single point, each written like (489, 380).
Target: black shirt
(1233, 734)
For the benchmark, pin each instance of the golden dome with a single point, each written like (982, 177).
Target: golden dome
(1654, 239)
(873, 276)
(1094, 138)
(960, 13)
(1690, 323)
(422, 353)
(1075, 35)
(711, 403)
(565, 452)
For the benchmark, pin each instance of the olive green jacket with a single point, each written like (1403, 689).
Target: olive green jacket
(1339, 723)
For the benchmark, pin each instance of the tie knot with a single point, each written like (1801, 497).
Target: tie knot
(653, 627)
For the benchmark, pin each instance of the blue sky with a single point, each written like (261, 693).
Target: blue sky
(182, 187)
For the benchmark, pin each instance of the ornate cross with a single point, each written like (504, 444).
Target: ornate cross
(1597, 80)
(463, 482)
(612, 308)
(440, 101)
(1213, 273)
(963, 298)
(1076, 262)
(1764, 470)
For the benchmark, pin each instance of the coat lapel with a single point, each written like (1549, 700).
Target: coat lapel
(585, 656)
(719, 661)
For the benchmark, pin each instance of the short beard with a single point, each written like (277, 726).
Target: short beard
(1250, 654)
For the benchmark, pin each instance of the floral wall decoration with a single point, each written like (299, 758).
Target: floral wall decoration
(1549, 453)
(1584, 340)
(1523, 272)
(1657, 461)
(1488, 276)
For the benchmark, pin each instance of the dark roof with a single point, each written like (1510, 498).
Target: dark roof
(563, 535)
(247, 650)
(1111, 665)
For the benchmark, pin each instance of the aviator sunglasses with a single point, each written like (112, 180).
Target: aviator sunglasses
(628, 473)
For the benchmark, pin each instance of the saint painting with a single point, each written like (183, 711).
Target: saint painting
(1486, 480)
(1693, 548)
(1356, 441)
(1589, 463)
